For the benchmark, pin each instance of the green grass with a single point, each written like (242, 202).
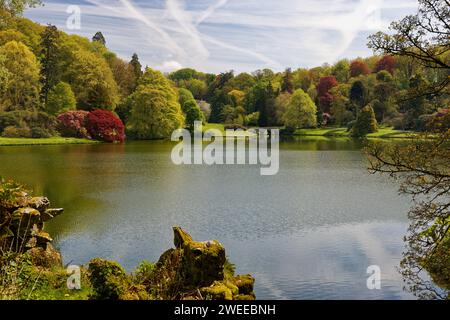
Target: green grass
(384, 132)
(43, 141)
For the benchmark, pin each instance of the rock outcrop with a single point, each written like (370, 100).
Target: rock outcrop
(22, 227)
(192, 271)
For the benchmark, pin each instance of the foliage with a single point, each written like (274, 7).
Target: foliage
(103, 125)
(422, 166)
(73, 124)
(358, 68)
(301, 111)
(23, 87)
(365, 122)
(92, 82)
(50, 60)
(386, 63)
(61, 99)
(155, 110)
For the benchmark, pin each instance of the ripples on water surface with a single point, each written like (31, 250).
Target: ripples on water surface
(309, 232)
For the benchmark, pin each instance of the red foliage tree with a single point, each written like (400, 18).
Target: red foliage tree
(105, 126)
(386, 63)
(323, 92)
(73, 124)
(358, 67)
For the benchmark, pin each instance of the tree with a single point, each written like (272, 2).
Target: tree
(92, 82)
(323, 92)
(358, 94)
(50, 60)
(358, 68)
(422, 37)
(301, 111)
(4, 77)
(423, 168)
(287, 84)
(98, 37)
(281, 103)
(137, 67)
(124, 76)
(365, 122)
(60, 99)
(103, 125)
(155, 110)
(17, 7)
(341, 70)
(192, 112)
(22, 67)
(197, 87)
(385, 63)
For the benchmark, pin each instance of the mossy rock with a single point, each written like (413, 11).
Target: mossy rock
(47, 258)
(245, 284)
(217, 291)
(109, 280)
(245, 297)
(180, 237)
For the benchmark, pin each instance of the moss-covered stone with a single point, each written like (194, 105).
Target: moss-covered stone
(217, 291)
(245, 284)
(109, 280)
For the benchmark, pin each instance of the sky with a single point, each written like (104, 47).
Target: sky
(221, 35)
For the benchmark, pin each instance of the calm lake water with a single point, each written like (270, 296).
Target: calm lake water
(309, 232)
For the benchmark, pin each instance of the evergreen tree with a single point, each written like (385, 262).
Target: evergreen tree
(137, 67)
(287, 84)
(365, 123)
(50, 60)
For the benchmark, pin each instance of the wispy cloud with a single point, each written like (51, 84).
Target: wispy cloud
(217, 35)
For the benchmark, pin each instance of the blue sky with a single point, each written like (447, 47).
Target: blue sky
(240, 35)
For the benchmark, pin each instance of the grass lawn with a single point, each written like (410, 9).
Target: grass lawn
(43, 141)
(386, 132)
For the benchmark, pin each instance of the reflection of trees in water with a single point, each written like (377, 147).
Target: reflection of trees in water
(424, 170)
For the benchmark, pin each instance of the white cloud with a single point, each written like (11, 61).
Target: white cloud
(218, 35)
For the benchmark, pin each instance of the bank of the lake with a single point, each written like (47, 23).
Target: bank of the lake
(382, 133)
(44, 141)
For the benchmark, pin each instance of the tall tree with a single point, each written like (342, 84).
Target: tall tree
(358, 94)
(287, 84)
(50, 60)
(324, 96)
(23, 87)
(155, 110)
(137, 67)
(301, 111)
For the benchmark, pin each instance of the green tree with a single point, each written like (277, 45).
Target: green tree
(17, 7)
(301, 111)
(61, 99)
(50, 60)
(137, 67)
(155, 110)
(92, 82)
(192, 112)
(341, 70)
(287, 84)
(358, 94)
(365, 122)
(4, 77)
(23, 68)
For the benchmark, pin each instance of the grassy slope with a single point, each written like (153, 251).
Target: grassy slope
(44, 141)
(342, 132)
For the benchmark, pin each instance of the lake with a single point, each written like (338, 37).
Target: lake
(309, 232)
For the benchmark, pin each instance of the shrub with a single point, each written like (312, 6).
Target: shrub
(105, 126)
(38, 132)
(73, 124)
(17, 132)
(365, 123)
(252, 119)
(234, 127)
(109, 280)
